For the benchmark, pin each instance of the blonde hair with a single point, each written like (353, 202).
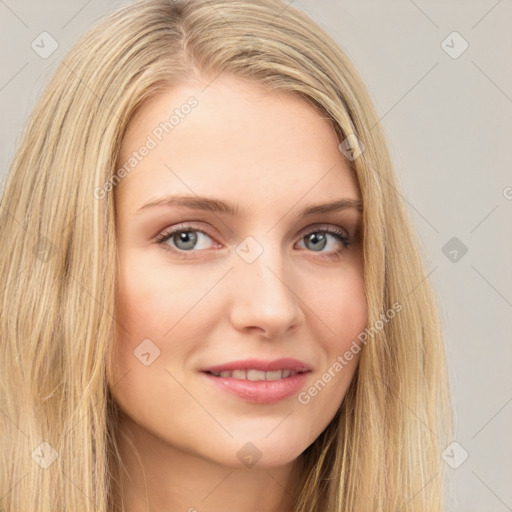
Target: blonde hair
(382, 450)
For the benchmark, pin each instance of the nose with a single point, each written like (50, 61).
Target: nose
(263, 298)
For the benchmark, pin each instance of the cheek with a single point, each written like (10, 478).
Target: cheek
(154, 315)
(144, 309)
(163, 305)
(340, 304)
(151, 297)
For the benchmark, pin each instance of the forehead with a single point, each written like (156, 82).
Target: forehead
(238, 141)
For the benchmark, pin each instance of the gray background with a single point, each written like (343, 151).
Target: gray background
(448, 121)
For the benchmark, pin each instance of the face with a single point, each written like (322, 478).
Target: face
(236, 297)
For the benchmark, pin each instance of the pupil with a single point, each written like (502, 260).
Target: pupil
(313, 237)
(185, 240)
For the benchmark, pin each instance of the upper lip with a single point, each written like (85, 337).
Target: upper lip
(285, 363)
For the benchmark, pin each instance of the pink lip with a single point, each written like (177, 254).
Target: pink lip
(285, 363)
(262, 391)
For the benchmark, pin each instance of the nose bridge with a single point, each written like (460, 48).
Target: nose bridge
(263, 295)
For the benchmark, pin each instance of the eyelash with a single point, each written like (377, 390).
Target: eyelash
(167, 234)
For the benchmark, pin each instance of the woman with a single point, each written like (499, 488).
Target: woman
(213, 297)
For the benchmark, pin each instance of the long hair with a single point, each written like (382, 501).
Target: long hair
(381, 451)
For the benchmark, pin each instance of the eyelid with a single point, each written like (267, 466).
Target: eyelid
(189, 226)
(324, 226)
(183, 226)
(340, 233)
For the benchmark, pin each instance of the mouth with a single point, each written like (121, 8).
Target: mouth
(259, 365)
(256, 375)
(257, 381)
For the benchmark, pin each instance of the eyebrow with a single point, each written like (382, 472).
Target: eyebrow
(218, 206)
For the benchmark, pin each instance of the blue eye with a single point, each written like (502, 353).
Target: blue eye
(320, 239)
(187, 239)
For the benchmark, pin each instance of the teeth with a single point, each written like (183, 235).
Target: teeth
(239, 374)
(275, 375)
(256, 375)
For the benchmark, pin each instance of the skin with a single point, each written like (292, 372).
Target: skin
(272, 154)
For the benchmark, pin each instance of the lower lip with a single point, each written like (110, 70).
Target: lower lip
(261, 391)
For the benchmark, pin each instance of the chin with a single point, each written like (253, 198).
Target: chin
(260, 452)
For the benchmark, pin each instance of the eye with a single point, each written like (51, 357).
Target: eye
(184, 238)
(326, 236)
